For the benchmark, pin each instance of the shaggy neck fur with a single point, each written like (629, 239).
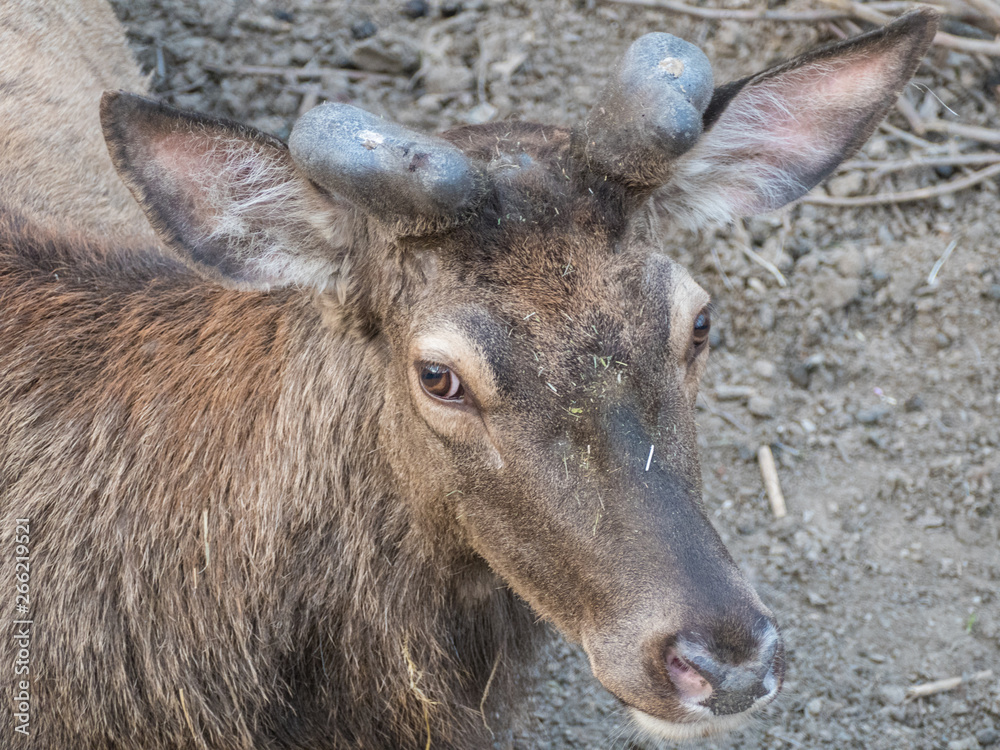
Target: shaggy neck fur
(223, 552)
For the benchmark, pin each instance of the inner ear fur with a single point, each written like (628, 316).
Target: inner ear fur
(773, 136)
(226, 197)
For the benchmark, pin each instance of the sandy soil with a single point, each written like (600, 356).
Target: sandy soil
(878, 392)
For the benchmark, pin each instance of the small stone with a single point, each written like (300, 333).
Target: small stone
(762, 406)
(913, 403)
(877, 148)
(892, 695)
(898, 713)
(481, 113)
(815, 361)
(267, 24)
(430, 103)
(308, 31)
(766, 317)
(363, 29)
(832, 291)
(846, 184)
(450, 8)
(725, 392)
(764, 369)
(383, 55)
(816, 600)
(993, 292)
(966, 743)
(874, 415)
(849, 261)
(302, 52)
(987, 737)
(930, 521)
(444, 79)
(880, 277)
(799, 374)
(814, 707)
(415, 8)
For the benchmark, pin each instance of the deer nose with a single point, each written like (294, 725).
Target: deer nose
(726, 679)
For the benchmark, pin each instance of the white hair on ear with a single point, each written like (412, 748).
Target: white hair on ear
(274, 223)
(768, 144)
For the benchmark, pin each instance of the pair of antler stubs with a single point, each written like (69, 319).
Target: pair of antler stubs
(649, 114)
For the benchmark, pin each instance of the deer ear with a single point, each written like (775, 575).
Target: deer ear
(772, 137)
(226, 197)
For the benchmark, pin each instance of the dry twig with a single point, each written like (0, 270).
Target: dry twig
(932, 276)
(913, 140)
(296, 74)
(769, 472)
(743, 237)
(952, 186)
(990, 7)
(972, 132)
(881, 167)
(721, 14)
(842, 9)
(905, 107)
(867, 12)
(722, 414)
(765, 264)
(941, 686)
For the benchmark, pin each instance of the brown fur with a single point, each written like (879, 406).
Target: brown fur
(249, 525)
(266, 652)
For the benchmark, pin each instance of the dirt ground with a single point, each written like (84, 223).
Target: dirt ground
(878, 391)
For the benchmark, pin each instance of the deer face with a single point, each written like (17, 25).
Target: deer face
(538, 356)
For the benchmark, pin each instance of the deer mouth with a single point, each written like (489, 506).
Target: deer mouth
(704, 713)
(703, 722)
(693, 687)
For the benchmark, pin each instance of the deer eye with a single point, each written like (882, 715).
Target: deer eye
(702, 325)
(440, 382)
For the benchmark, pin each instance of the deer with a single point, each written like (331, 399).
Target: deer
(312, 445)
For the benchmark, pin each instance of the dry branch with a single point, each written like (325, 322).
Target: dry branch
(941, 686)
(882, 167)
(913, 140)
(765, 264)
(722, 14)
(769, 472)
(296, 74)
(972, 132)
(953, 186)
(988, 7)
(867, 12)
(841, 9)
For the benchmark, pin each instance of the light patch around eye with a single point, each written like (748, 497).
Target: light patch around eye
(449, 347)
(453, 349)
(688, 299)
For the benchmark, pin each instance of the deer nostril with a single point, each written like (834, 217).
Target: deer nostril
(690, 685)
(701, 677)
